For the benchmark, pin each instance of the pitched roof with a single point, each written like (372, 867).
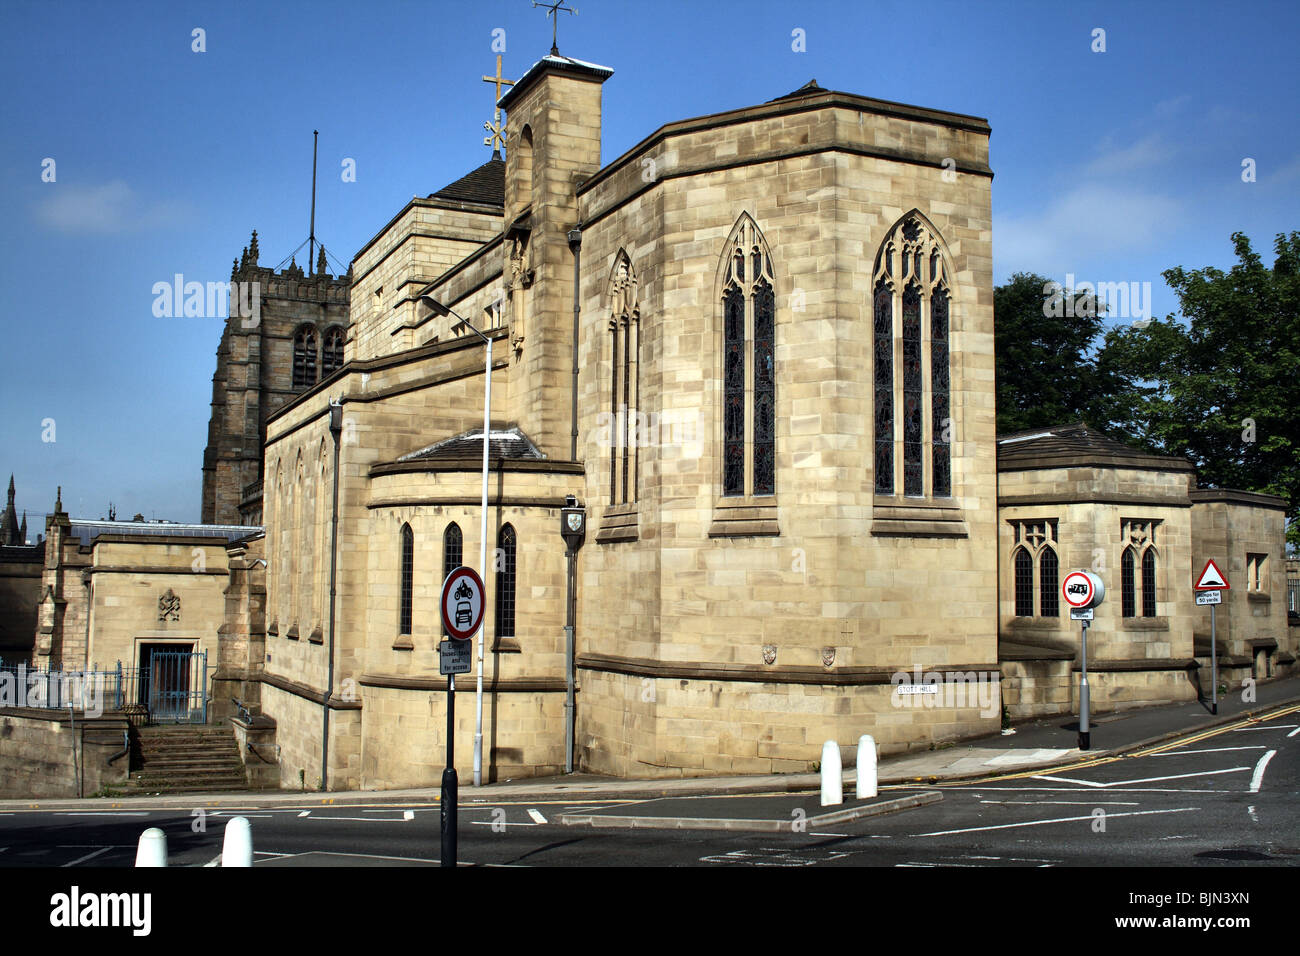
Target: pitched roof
(88, 530)
(502, 443)
(1077, 444)
(487, 185)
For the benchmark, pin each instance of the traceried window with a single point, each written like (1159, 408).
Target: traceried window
(304, 357)
(407, 579)
(912, 423)
(1137, 568)
(332, 356)
(1036, 567)
(452, 552)
(625, 380)
(748, 364)
(505, 583)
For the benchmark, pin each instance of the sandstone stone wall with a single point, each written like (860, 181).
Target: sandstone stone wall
(37, 754)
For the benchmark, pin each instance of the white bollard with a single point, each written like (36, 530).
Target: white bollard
(866, 767)
(237, 846)
(152, 850)
(832, 775)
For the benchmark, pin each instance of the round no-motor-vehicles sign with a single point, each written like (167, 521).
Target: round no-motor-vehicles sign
(1082, 589)
(463, 603)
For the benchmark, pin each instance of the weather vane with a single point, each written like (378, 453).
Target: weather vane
(552, 10)
(497, 139)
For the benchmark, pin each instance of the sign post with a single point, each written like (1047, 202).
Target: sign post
(1083, 591)
(462, 605)
(1210, 587)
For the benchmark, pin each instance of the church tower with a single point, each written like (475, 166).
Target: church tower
(552, 145)
(286, 332)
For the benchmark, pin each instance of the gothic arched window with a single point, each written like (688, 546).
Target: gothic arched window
(625, 380)
(407, 579)
(1128, 586)
(911, 301)
(452, 551)
(748, 364)
(304, 357)
(1049, 594)
(1149, 582)
(505, 583)
(1024, 584)
(332, 355)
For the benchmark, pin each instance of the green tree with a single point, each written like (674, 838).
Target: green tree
(1046, 371)
(1221, 388)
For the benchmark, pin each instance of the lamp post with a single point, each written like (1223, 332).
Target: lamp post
(440, 309)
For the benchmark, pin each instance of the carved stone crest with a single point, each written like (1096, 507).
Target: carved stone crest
(828, 656)
(169, 606)
(769, 653)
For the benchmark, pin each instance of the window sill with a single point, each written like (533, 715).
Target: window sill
(403, 643)
(745, 517)
(618, 524)
(1036, 623)
(900, 516)
(292, 633)
(1260, 596)
(317, 636)
(507, 645)
(1144, 623)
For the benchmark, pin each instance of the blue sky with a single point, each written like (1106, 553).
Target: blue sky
(1112, 166)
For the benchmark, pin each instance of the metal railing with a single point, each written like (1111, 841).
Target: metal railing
(172, 688)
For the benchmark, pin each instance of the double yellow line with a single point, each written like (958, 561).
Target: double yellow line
(1101, 761)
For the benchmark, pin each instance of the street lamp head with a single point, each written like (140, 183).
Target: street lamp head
(437, 307)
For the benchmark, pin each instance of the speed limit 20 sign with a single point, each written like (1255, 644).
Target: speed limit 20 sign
(462, 603)
(1082, 589)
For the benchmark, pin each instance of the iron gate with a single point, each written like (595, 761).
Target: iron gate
(178, 687)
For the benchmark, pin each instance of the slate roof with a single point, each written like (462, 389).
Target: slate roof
(88, 530)
(502, 443)
(1079, 443)
(487, 185)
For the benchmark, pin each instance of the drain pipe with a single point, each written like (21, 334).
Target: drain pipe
(575, 246)
(336, 428)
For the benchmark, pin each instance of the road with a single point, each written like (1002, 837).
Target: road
(1226, 797)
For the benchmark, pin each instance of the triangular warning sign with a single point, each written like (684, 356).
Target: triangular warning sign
(1212, 578)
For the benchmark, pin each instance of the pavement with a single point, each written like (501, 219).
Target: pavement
(1036, 745)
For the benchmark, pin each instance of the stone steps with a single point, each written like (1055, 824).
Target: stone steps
(185, 759)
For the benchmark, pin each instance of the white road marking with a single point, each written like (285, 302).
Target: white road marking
(304, 813)
(408, 814)
(108, 813)
(501, 823)
(215, 861)
(1121, 783)
(1068, 803)
(1294, 732)
(89, 856)
(1251, 811)
(1273, 727)
(1086, 783)
(829, 834)
(363, 856)
(537, 816)
(1257, 779)
(1039, 823)
(1215, 750)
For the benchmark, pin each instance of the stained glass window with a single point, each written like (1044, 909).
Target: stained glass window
(1024, 583)
(1149, 583)
(408, 578)
(1128, 586)
(913, 480)
(1049, 594)
(884, 386)
(764, 390)
(941, 422)
(733, 391)
(505, 584)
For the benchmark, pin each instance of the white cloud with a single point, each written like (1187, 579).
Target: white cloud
(105, 210)
(1089, 222)
(1147, 152)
